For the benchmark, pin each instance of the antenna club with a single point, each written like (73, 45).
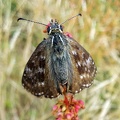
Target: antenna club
(19, 19)
(80, 14)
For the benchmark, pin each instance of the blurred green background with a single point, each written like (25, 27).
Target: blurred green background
(98, 30)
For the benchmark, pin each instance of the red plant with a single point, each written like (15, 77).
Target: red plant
(68, 108)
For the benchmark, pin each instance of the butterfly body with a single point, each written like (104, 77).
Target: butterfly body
(58, 62)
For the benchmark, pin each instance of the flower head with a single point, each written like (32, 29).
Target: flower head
(68, 108)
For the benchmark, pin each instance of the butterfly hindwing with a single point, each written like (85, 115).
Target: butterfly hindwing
(83, 66)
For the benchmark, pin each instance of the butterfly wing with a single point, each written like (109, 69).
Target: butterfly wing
(83, 66)
(36, 76)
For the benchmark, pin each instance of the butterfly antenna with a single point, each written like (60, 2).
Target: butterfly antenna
(72, 18)
(30, 21)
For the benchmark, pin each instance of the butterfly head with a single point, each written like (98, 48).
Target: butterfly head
(53, 27)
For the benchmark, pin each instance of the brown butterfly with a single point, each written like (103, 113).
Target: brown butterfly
(59, 64)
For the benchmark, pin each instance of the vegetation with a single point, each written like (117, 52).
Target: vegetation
(98, 30)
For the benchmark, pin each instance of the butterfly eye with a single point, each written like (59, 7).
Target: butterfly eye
(48, 29)
(61, 27)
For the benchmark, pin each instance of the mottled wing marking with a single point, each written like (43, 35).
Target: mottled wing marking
(34, 77)
(83, 66)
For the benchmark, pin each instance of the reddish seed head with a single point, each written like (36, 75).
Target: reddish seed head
(68, 108)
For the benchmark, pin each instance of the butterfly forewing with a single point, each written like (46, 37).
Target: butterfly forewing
(34, 78)
(83, 66)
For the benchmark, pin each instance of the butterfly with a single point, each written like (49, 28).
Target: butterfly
(58, 65)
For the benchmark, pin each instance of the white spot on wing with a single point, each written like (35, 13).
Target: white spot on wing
(76, 91)
(74, 52)
(28, 69)
(24, 74)
(79, 63)
(86, 85)
(84, 76)
(52, 96)
(39, 93)
(81, 76)
(88, 60)
(41, 70)
(42, 57)
(83, 85)
(41, 84)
